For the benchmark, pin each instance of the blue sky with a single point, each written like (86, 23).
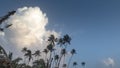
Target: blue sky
(93, 25)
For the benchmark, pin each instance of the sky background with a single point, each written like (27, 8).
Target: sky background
(93, 25)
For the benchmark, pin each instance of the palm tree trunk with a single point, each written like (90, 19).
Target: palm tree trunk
(49, 61)
(59, 61)
(69, 61)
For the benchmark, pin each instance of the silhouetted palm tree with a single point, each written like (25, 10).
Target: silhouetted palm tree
(28, 54)
(37, 54)
(73, 51)
(83, 64)
(46, 52)
(52, 40)
(24, 50)
(67, 39)
(64, 65)
(51, 49)
(63, 53)
(56, 58)
(75, 64)
(60, 42)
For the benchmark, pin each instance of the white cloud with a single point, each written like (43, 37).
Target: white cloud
(109, 62)
(28, 29)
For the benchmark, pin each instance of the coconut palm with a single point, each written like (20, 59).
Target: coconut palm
(52, 40)
(60, 42)
(28, 54)
(63, 53)
(56, 58)
(39, 64)
(24, 49)
(73, 51)
(37, 54)
(74, 64)
(83, 64)
(46, 52)
(64, 65)
(67, 39)
(51, 49)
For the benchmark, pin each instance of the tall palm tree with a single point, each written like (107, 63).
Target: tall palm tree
(64, 65)
(73, 51)
(24, 50)
(46, 52)
(63, 53)
(52, 40)
(75, 64)
(37, 54)
(83, 64)
(50, 47)
(28, 54)
(67, 39)
(56, 58)
(60, 42)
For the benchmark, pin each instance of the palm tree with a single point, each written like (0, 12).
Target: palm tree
(74, 64)
(24, 50)
(56, 58)
(83, 64)
(39, 64)
(28, 54)
(51, 49)
(60, 42)
(37, 54)
(67, 39)
(46, 52)
(73, 51)
(63, 53)
(52, 40)
(64, 65)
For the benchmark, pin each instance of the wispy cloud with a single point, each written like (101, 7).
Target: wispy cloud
(109, 62)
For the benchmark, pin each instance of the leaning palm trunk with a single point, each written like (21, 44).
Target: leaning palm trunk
(59, 61)
(69, 61)
(49, 61)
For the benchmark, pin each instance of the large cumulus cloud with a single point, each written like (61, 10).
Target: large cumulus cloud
(28, 29)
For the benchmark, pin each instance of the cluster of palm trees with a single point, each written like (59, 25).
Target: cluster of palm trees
(53, 58)
(56, 54)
